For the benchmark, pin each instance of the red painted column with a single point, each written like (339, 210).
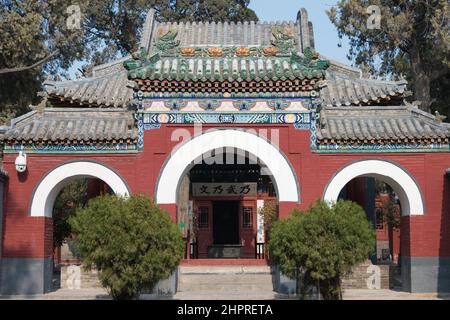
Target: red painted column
(405, 239)
(356, 191)
(94, 187)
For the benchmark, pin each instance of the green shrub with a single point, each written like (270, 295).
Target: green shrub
(71, 197)
(269, 213)
(320, 245)
(130, 241)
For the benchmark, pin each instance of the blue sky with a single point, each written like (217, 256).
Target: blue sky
(325, 34)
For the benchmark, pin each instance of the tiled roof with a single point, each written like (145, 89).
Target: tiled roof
(227, 75)
(404, 124)
(168, 70)
(247, 33)
(112, 90)
(106, 91)
(344, 125)
(57, 125)
(226, 69)
(343, 90)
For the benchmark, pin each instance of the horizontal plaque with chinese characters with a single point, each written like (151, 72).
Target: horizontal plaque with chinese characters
(239, 189)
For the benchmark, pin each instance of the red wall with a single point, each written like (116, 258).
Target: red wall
(24, 235)
(246, 235)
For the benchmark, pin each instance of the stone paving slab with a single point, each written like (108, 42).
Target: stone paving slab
(386, 294)
(350, 294)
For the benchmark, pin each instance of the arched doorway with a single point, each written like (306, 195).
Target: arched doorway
(398, 178)
(387, 192)
(220, 204)
(227, 219)
(182, 160)
(79, 176)
(54, 181)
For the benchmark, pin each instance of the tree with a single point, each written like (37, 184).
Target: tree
(269, 213)
(35, 41)
(71, 197)
(389, 212)
(41, 39)
(320, 245)
(411, 38)
(117, 24)
(131, 242)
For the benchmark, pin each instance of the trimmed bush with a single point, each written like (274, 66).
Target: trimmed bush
(320, 245)
(130, 241)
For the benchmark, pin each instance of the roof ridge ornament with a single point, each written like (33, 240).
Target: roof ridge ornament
(310, 60)
(140, 59)
(283, 38)
(439, 117)
(165, 42)
(243, 68)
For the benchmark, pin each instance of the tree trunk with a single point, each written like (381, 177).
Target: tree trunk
(422, 91)
(34, 65)
(299, 289)
(421, 81)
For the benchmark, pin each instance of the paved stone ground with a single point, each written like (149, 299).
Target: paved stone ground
(350, 294)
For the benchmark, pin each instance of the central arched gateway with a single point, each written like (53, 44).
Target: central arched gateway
(183, 157)
(215, 200)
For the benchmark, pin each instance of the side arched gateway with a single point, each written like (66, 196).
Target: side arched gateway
(54, 181)
(398, 178)
(183, 157)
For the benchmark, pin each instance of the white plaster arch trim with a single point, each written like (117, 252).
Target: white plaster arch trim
(399, 179)
(48, 188)
(175, 167)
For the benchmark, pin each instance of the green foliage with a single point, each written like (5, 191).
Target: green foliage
(269, 212)
(132, 243)
(322, 244)
(202, 10)
(381, 187)
(33, 30)
(412, 40)
(70, 198)
(392, 213)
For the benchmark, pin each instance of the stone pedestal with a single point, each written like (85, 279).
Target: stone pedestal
(26, 276)
(426, 274)
(74, 277)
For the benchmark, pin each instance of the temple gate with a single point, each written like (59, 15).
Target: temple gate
(296, 126)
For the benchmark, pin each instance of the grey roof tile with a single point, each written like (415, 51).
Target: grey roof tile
(113, 91)
(73, 125)
(349, 90)
(246, 33)
(106, 91)
(380, 124)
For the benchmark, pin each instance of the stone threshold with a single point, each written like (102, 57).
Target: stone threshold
(224, 262)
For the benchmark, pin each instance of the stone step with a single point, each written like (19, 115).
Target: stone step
(224, 270)
(224, 288)
(225, 279)
(226, 295)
